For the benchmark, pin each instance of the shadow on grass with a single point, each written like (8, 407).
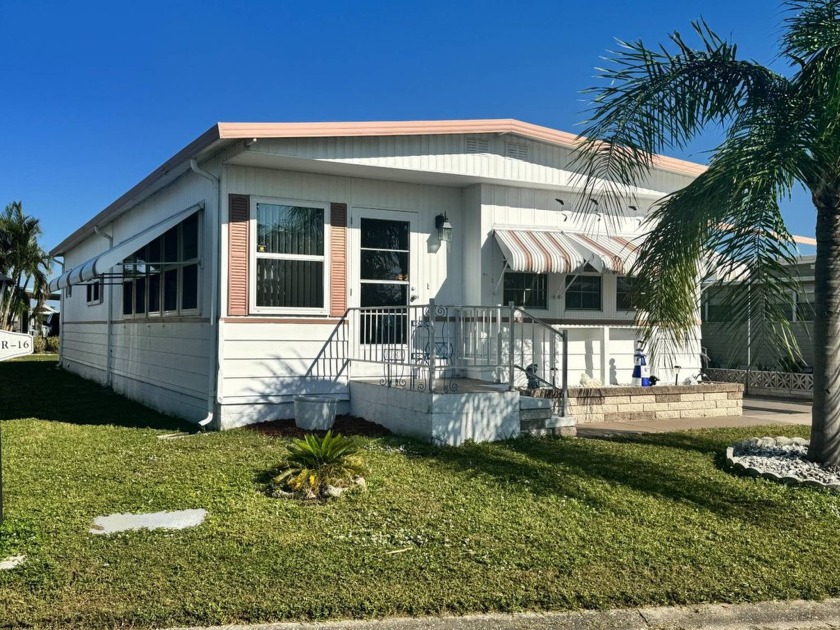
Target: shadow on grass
(38, 389)
(703, 442)
(647, 465)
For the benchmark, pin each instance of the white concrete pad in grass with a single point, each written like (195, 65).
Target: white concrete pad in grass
(115, 523)
(7, 564)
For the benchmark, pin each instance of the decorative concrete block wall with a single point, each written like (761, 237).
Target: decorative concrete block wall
(629, 404)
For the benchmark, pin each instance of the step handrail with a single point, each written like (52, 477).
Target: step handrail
(564, 363)
(339, 351)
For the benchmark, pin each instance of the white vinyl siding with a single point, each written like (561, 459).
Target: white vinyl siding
(481, 155)
(161, 361)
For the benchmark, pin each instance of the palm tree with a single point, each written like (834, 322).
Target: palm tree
(23, 260)
(780, 131)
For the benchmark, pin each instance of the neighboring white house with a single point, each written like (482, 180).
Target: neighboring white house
(728, 348)
(211, 288)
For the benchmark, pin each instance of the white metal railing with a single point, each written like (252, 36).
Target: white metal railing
(428, 347)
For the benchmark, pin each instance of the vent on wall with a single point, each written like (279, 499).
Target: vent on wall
(516, 151)
(477, 145)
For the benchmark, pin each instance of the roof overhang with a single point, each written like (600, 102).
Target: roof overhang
(258, 159)
(223, 134)
(205, 145)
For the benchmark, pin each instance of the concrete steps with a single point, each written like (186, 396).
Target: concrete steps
(536, 418)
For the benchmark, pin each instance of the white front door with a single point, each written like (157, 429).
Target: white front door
(384, 251)
(384, 279)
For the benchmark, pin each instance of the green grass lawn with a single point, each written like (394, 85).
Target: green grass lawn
(526, 524)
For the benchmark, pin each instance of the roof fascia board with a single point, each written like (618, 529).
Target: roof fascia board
(434, 127)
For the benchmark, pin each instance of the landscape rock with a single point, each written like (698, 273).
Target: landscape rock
(782, 459)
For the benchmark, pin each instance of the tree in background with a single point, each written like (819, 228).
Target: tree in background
(780, 131)
(22, 260)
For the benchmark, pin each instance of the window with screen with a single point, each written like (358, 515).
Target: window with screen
(162, 277)
(289, 256)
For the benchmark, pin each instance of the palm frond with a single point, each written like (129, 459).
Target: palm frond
(659, 99)
(728, 224)
(811, 26)
(315, 462)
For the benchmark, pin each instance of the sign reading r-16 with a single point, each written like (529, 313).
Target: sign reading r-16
(14, 345)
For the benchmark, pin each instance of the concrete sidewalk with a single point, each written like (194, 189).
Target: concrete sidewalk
(757, 412)
(792, 615)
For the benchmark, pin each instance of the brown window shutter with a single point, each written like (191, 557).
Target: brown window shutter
(338, 259)
(239, 209)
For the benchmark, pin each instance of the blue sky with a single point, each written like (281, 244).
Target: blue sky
(97, 94)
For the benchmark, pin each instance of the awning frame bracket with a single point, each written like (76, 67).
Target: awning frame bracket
(505, 267)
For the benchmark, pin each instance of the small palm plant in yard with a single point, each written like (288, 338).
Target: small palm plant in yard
(319, 467)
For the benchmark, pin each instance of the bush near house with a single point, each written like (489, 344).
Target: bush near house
(45, 344)
(39, 344)
(524, 524)
(53, 344)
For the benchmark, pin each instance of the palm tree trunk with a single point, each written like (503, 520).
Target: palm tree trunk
(825, 423)
(15, 301)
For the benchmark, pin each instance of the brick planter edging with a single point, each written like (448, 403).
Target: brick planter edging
(661, 402)
(733, 463)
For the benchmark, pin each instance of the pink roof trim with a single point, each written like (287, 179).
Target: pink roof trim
(222, 131)
(429, 127)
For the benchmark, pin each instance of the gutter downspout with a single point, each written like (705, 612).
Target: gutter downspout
(110, 320)
(60, 318)
(215, 258)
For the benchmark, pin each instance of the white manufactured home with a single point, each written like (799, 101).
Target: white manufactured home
(386, 265)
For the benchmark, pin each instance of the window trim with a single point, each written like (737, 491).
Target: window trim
(567, 285)
(253, 255)
(178, 266)
(88, 288)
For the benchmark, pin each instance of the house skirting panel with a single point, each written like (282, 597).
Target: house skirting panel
(86, 371)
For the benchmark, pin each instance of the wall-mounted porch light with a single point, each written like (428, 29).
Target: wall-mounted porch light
(444, 228)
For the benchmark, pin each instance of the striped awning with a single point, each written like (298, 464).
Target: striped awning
(544, 251)
(104, 262)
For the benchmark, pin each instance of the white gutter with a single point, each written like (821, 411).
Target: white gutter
(60, 319)
(213, 267)
(110, 320)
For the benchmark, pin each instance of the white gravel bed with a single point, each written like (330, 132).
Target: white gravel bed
(781, 459)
